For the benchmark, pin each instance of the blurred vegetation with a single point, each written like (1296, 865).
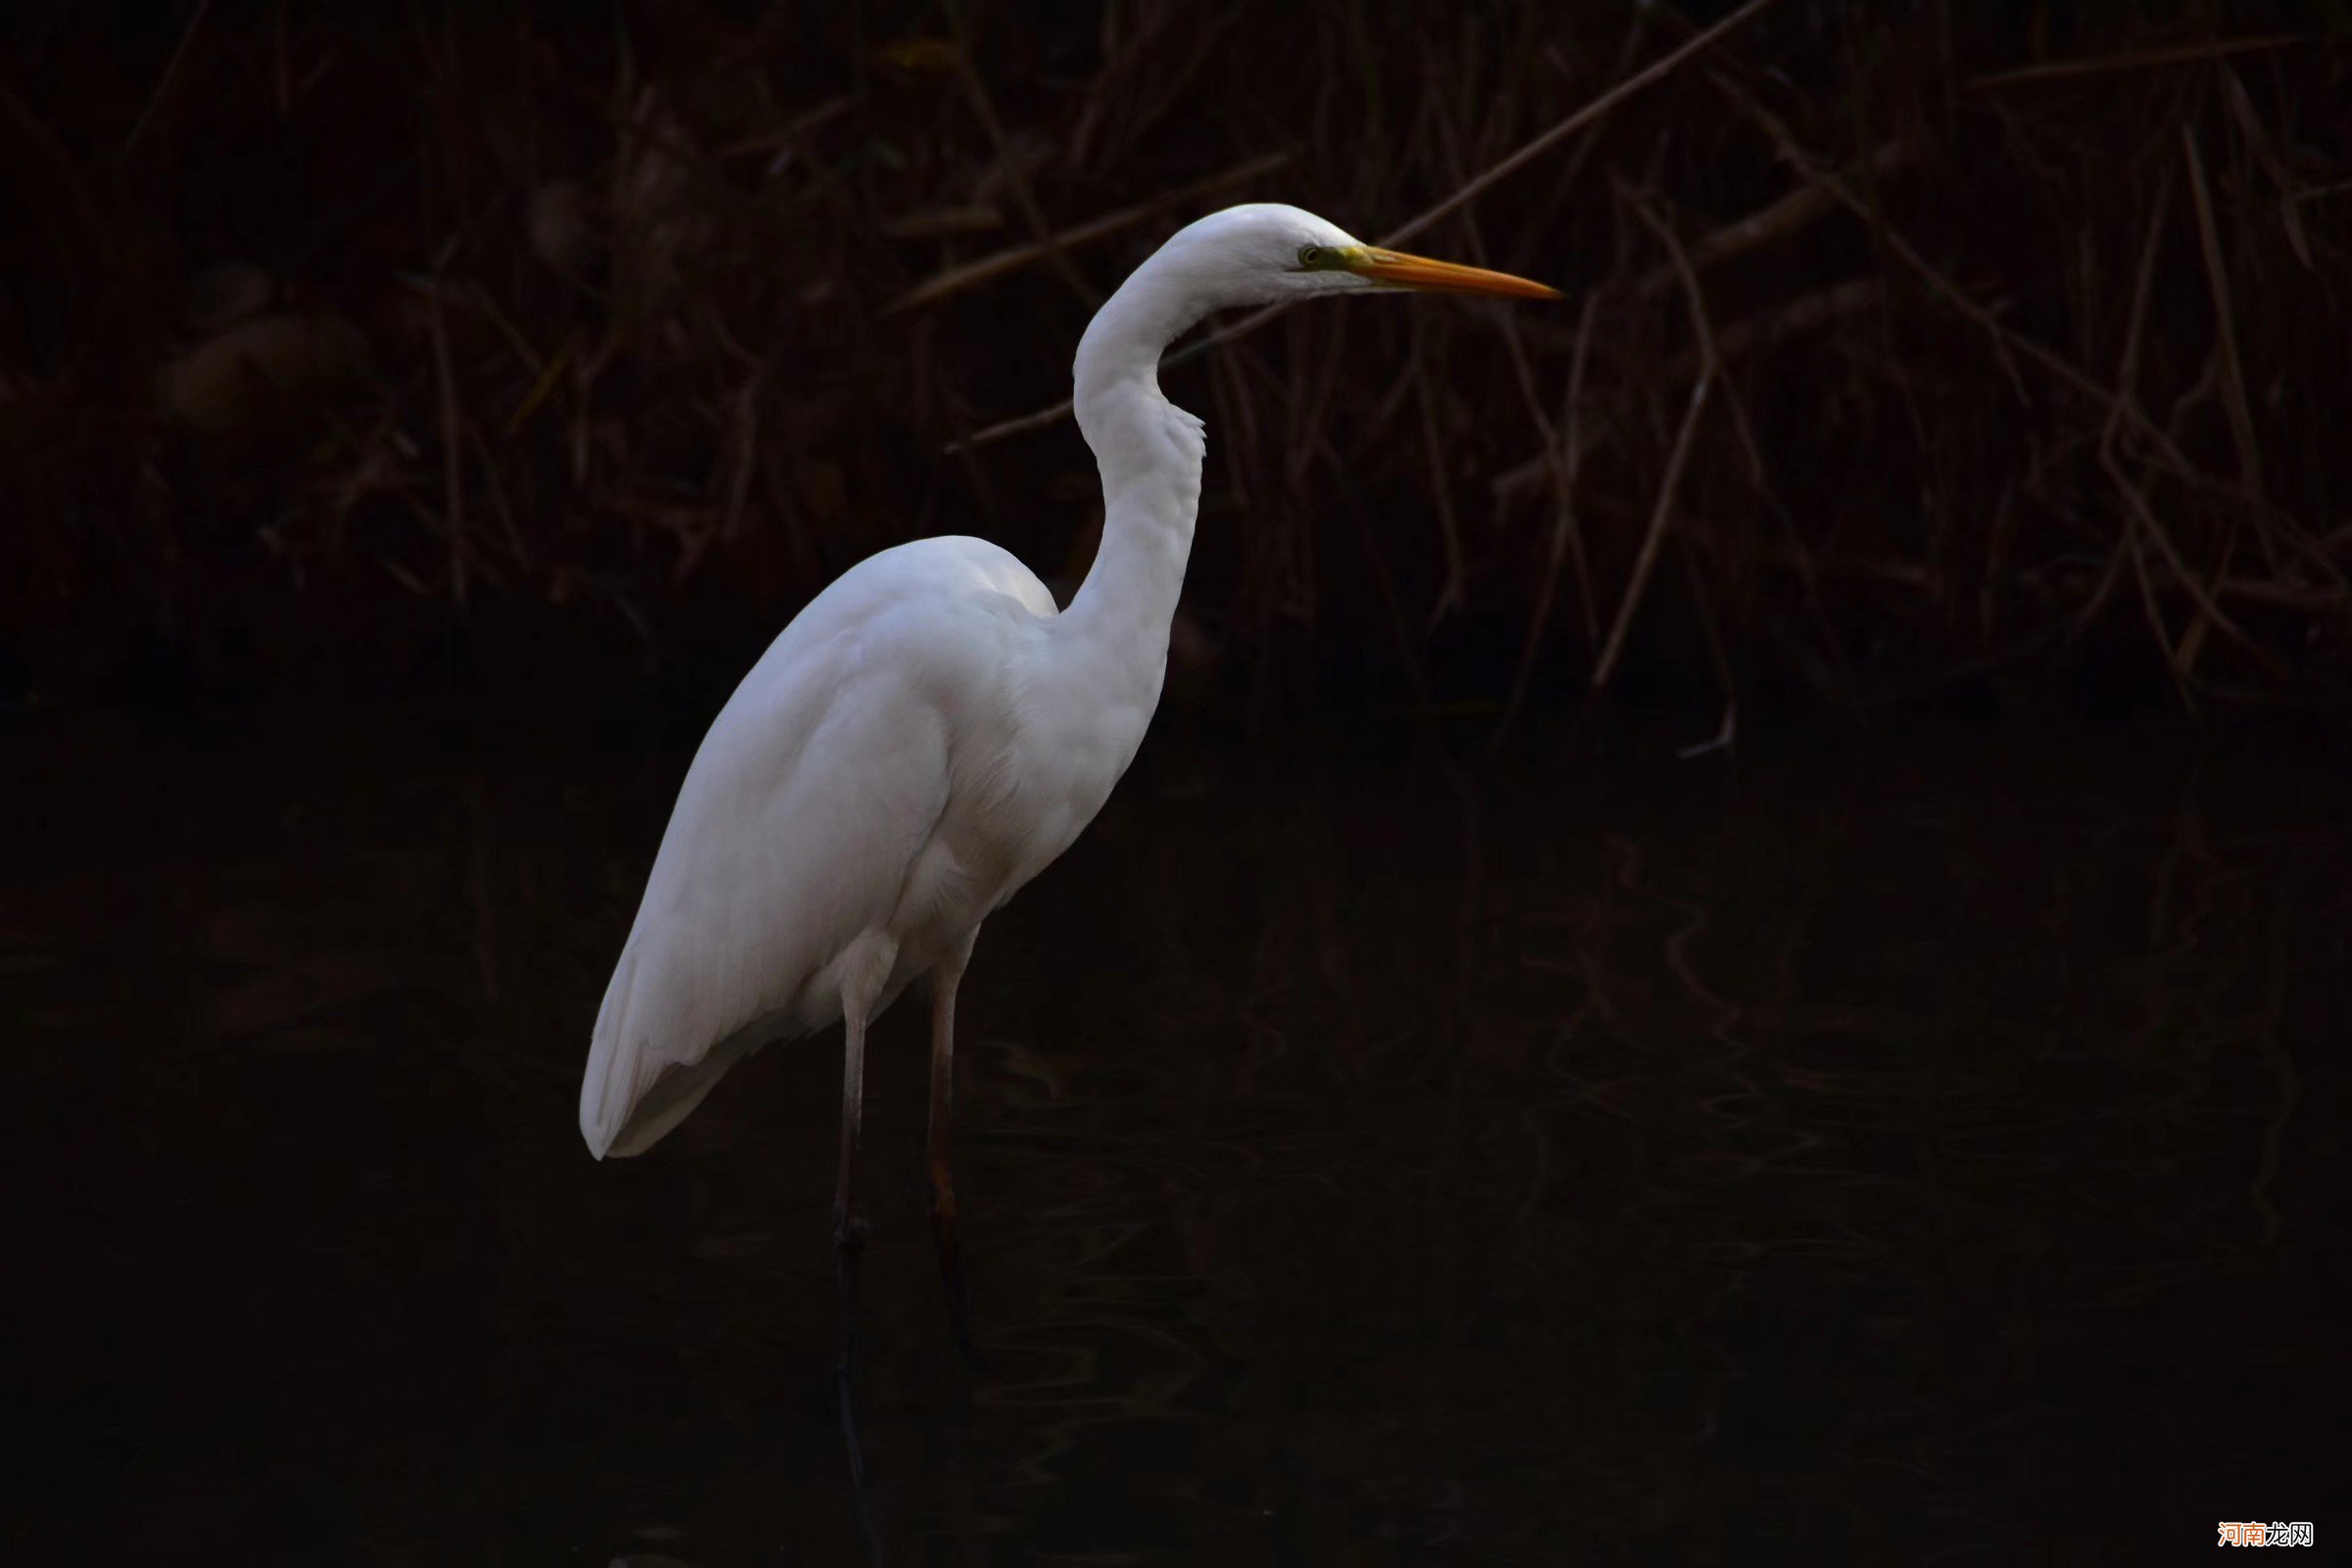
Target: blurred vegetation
(1995, 349)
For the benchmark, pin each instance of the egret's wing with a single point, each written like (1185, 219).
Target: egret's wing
(817, 788)
(810, 799)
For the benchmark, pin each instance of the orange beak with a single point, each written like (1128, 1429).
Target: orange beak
(1396, 270)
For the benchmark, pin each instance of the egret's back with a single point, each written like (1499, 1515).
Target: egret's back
(809, 800)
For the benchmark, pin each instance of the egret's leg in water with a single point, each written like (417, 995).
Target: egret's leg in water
(849, 1223)
(943, 981)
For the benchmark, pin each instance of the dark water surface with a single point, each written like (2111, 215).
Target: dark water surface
(1919, 1148)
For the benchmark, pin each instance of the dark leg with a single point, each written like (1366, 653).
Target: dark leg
(849, 1231)
(943, 1178)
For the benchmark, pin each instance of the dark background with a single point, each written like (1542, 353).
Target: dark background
(1442, 1113)
(569, 348)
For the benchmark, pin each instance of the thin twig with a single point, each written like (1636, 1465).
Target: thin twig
(2140, 521)
(2316, 192)
(67, 170)
(2179, 55)
(747, 448)
(2217, 276)
(2173, 662)
(2127, 379)
(451, 453)
(163, 83)
(1727, 733)
(1450, 592)
(2156, 535)
(1566, 535)
(499, 502)
(1656, 535)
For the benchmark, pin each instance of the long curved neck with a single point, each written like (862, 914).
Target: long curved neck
(1149, 453)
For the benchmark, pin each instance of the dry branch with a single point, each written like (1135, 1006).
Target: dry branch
(1779, 220)
(2184, 54)
(2233, 387)
(1567, 540)
(1664, 509)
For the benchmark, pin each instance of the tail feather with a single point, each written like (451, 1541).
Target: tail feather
(609, 1088)
(673, 1097)
(632, 1092)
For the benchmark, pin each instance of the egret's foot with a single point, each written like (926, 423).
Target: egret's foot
(849, 1242)
(845, 1397)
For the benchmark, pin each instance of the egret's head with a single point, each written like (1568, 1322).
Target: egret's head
(1265, 252)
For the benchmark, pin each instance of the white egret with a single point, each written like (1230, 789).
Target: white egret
(930, 732)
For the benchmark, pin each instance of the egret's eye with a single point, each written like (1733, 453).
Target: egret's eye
(1315, 257)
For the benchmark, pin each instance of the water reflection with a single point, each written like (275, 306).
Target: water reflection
(1909, 1149)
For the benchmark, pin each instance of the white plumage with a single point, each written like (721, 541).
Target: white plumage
(865, 781)
(929, 733)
